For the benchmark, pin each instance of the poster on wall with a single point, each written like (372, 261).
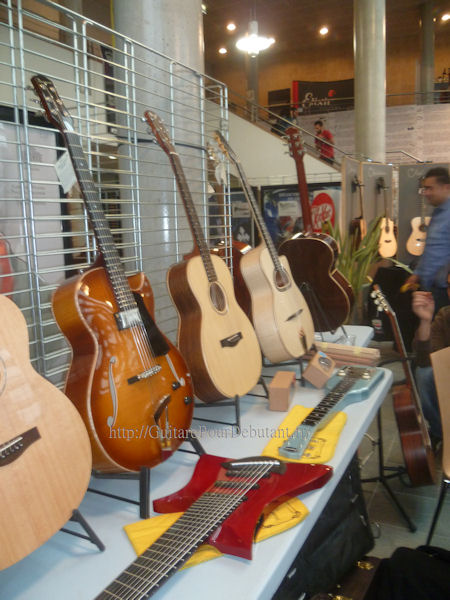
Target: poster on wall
(311, 97)
(242, 228)
(282, 211)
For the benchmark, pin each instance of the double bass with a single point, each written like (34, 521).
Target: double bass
(312, 258)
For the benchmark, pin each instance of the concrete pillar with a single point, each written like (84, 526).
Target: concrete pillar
(427, 52)
(369, 45)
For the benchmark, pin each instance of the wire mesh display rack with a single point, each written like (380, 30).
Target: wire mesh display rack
(45, 235)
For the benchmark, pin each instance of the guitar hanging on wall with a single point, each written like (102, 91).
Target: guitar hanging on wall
(312, 258)
(414, 437)
(221, 506)
(415, 244)
(127, 380)
(387, 243)
(280, 314)
(214, 334)
(45, 458)
(358, 225)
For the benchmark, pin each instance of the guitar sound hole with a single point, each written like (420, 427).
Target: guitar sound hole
(282, 279)
(217, 297)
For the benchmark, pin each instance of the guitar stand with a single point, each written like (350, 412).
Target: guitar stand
(144, 480)
(226, 402)
(383, 478)
(265, 388)
(314, 304)
(91, 536)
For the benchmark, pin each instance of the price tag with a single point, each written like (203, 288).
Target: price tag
(65, 172)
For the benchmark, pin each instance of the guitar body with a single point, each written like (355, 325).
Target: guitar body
(45, 458)
(126, 420)
(235, 536)
(358, 229)
(217, 339)
(418, 457)
(281, 317)
(416, 242)
(329, 295)
(387, 244)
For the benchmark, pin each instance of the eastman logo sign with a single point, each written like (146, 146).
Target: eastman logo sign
(314, 96)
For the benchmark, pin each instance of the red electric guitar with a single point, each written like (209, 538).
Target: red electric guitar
(127, 380)
(222, 504)
(312, 258)
(414, 438)
(6, 276)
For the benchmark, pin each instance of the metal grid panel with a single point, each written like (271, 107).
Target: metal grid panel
(106, 88)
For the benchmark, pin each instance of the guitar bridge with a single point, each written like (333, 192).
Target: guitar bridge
(231, 340)
(145, 374)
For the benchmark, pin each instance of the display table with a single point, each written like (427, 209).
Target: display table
(70, 568)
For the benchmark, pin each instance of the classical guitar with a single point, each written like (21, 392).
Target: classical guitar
(350, 384)
(45, 458)
(222, 502)
(214, 334)
(358, 225)
(280, 314)
(415, 244)
(387, 243)
(414, 437)
(128, 381)
(312, 258)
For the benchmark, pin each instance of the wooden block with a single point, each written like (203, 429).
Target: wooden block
(280, 390)
(319, 369)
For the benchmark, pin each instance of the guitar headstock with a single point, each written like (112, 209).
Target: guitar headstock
(225, 147)
(160, 132)
(296, 148)
(51, 102)
(380, 300)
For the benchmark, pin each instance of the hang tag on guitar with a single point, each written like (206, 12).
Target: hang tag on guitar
(65, 172)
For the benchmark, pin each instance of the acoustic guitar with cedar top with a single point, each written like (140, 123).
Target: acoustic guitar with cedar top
(128, 381)
(45, 457)
(214, 333)
(387, 244)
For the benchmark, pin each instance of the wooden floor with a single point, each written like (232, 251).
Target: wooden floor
(419, 503)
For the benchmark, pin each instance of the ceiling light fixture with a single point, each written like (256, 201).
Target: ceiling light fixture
(445, 17)
(222, 50)
(252, 43)
(231, 26)
(323, 30)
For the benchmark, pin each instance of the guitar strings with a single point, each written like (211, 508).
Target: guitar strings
(187, 541)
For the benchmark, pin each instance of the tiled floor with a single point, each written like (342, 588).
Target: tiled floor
(418, 502)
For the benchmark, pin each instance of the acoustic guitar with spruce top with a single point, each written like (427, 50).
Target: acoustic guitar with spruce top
(214, 333)
(45, 457)
(280, 314)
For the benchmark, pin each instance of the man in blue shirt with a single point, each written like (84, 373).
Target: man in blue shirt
(433, 266)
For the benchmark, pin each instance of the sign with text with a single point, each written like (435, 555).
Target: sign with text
(312, 97)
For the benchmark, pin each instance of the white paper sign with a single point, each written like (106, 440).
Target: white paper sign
(65, 172)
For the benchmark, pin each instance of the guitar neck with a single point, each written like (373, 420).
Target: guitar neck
(405, 361)
(191, 212)
(258, 217)
(113, 265)
(297, 153)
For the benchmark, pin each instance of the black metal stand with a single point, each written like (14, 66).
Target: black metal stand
(91, 536)
(226, 402)
(383, 478)
(315, 307)
(144, 481)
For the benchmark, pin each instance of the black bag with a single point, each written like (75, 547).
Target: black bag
(340, 537)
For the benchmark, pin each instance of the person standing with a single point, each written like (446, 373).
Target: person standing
(433, 266)
(323, 141)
